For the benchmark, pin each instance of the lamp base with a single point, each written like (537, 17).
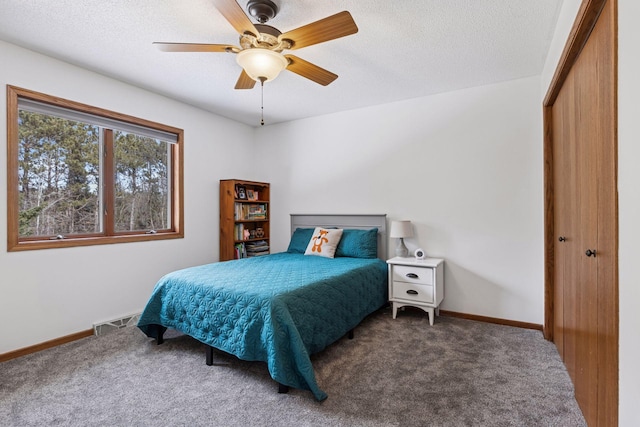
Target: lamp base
(401, 249)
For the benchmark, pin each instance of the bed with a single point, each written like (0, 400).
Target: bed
(283, 307)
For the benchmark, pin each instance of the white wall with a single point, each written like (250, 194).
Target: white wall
(47, 294)
(465, 167)
(567, 16)
(628, 196)
(629, 208)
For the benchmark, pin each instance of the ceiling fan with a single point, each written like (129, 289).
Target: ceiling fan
(260, 52)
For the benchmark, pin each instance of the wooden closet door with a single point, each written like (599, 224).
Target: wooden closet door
(559, 224)
(604, 34)
(596, 378)
(584, 179)
(586, 282)
(565, 206)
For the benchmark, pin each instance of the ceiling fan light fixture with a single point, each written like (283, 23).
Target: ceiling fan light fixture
(260, 63)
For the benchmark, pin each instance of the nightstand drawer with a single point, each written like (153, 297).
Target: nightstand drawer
(406, 273)
(413, 292)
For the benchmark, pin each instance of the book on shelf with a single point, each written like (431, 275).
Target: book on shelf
(251, 249)
(239, 232)
(257, 248)
(255, 254)
(250, 211)
(240, 251)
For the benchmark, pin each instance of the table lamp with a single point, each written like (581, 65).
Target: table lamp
(400, 230)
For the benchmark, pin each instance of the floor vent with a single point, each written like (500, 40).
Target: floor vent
(113, 325)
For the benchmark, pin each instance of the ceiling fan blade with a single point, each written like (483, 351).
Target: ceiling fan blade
(310, 71)
(233, 13)
(333, 27)
(244, 81)
(195, 47)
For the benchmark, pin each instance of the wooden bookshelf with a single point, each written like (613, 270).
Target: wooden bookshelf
(244, 219)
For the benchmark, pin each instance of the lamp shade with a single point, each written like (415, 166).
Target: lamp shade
(401, 229)
(260, 63)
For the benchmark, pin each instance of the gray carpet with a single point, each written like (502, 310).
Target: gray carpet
(399, 372)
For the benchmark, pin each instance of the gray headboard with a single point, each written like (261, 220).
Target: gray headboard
(364, 222)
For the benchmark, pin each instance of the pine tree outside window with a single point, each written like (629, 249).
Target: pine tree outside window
(80, 175)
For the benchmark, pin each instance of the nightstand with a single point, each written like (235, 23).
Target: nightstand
(418, 283)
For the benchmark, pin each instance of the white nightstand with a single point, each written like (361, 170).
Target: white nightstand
(418, 283)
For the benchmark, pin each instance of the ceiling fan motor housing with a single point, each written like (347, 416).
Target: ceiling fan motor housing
(262, 10)
(267, 38)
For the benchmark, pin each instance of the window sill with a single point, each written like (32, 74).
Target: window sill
(71, 242)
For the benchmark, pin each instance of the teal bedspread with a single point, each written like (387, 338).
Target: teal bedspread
(279, 308)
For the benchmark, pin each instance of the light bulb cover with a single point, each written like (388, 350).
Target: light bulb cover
(401, 229)
(260, 63)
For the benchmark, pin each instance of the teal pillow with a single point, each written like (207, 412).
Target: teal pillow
(358, 243)
(299, 240)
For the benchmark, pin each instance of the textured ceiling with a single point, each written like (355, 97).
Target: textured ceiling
(404, 49)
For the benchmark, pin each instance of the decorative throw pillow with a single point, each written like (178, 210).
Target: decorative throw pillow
(358, 243)
(299, 240)
(324, 242)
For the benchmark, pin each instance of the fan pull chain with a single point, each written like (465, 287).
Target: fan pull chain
(262, 79)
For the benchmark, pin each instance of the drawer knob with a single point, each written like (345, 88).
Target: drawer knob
(412, 276)
(412, 292)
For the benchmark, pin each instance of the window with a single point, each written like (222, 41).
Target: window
(81, 175)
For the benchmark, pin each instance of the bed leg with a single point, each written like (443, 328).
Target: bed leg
(159, 333)
(209, 352)
(350, 334)
(283, 389)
